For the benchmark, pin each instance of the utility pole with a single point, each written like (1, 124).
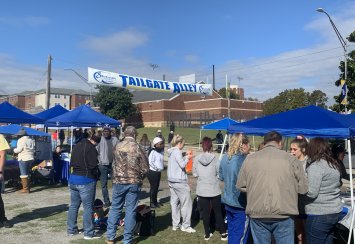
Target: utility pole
(48, 87)
(213, 79)
(228, 96)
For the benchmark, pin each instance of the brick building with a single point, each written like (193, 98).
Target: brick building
(35, 101)
(161, 109)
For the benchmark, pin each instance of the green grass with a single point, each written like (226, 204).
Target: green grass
(191, 135)
(164, 233)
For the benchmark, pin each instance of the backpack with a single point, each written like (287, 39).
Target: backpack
(195, 213)
(145, 221)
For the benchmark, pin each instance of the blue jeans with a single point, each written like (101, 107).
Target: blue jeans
(320, 228)
(121, 194)
(25, 167)
(105, 170)
(283, 230)
(81, 194)
(238, 225)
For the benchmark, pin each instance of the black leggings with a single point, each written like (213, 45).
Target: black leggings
(206, 205)
(154, 181)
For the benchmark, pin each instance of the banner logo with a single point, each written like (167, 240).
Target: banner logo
(104, 77)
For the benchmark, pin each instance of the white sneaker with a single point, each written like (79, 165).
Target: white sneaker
(208, 237)
(188, 229)
(175, 228)
(95, 236)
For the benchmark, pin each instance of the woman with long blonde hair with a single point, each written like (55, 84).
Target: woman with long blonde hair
(233, 199)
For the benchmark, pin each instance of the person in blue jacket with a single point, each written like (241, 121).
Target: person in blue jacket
(233, 199)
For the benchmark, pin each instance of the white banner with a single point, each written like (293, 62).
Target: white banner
(106, 78)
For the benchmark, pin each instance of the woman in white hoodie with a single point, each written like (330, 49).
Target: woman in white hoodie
(25, 149)
(206, 168)
(180, 199)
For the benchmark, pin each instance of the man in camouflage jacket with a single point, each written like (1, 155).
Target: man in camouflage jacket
(130, 166)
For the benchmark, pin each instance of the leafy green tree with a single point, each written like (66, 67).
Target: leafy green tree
(233, 95)
(117, 103)
(318, 98)
(350, 81)
(292, 99)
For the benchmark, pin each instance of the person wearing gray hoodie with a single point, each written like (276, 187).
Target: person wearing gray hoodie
(206, 168)
(180, 197)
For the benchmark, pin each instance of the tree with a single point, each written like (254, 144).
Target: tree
(318, 98)
(292, 99)
(350, 81)
(233, 95)
(117, 103)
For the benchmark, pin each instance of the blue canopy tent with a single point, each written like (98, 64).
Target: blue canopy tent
(11, 114)
(310, 121)
(13, 129)
(52, 112)
(82, 116)
(222, 124)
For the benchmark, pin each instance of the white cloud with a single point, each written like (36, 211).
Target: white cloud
(116, 44)
(28, 21)
(192, 59)
(311, 68)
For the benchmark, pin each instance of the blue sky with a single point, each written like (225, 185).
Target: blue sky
(273, 45)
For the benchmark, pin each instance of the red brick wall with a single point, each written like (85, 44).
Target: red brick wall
(185, 107)
(18, 101)
(30, 101)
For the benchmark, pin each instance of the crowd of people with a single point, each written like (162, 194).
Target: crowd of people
(271, 193)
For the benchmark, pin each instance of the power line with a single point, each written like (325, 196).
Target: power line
(238, 68)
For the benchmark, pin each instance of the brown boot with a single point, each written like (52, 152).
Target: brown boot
(25, 184)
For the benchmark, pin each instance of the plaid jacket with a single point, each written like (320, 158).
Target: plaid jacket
(130, 163)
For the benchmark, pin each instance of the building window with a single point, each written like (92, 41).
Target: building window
(79, 97)
(65, 105)
(30, 105)
(65, 96)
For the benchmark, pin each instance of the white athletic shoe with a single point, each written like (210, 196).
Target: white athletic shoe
(208, 237)
(188, 229)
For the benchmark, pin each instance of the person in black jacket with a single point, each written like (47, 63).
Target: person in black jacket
(82, 185)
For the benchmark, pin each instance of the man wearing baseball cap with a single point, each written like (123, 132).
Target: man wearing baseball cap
(156, 165)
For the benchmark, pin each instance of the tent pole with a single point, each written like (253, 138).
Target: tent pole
(351, 174)
(351, 225)
(254, 144)
(224, 143)
(199, 142)
(71, 139)
(351, 191)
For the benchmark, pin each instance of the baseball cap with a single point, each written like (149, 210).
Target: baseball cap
(156, 140)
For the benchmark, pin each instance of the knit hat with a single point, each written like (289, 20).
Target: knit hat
(156, 140)
(98, 203)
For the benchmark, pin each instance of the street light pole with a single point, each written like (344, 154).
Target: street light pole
(83, 79)
(344, 45)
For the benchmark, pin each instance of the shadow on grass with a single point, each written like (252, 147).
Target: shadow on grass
(143, 194)
(162, 222)
(40, 186)
(39, 213)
